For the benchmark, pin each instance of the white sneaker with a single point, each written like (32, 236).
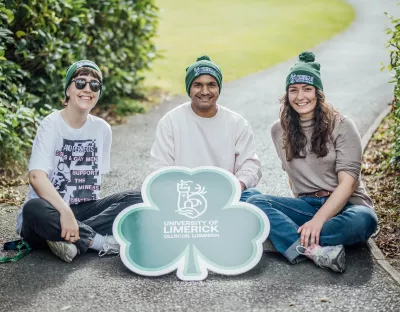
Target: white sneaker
(64, 250)
(327, 257)
(110, 247)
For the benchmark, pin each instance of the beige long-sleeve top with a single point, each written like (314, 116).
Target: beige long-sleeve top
(225, 141)
(311, 173)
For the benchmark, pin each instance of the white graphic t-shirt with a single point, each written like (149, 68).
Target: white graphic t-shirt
(73, 159)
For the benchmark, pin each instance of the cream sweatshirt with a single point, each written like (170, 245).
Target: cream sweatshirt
(226, 141)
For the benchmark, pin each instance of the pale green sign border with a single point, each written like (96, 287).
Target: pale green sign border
(181, 264)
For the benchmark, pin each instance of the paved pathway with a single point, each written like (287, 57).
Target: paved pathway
(353, 83)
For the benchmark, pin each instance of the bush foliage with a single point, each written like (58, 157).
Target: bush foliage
(40, 39)
(394, 49)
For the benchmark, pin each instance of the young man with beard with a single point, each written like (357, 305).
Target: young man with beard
(70, 152)
(204, 133)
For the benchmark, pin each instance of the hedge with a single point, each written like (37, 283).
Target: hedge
(39, 39)
(394, 48)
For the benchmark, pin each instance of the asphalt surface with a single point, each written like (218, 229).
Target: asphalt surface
(353, 83)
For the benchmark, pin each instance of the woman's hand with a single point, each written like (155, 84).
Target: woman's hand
(310, 231)
(69, 227)
(40, 182)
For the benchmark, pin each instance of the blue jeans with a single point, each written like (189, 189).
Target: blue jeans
(352, 225)
(247, 193)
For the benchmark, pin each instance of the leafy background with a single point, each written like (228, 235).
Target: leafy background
(40, 39)
(381, 161)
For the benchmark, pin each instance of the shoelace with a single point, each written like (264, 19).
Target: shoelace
(301, 252)
(106, 248)
(103, 252)
(319, 257)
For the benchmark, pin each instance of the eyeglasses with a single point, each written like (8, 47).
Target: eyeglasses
(94, 85)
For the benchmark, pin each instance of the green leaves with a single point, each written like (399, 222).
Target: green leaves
(116, 34)
(6, 15)
(393, 45)
(40, 39)
(20, 33)
(191, 221)
(18, 125)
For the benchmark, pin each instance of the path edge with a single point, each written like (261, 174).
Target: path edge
(376, 252)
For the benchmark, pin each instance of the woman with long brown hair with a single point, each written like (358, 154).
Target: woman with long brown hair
(320, 150)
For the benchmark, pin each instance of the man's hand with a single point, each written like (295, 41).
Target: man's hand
(310, 231)
(69, 227)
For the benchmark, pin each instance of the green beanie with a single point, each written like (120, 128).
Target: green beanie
(202, 66)
(305, 71)
(74, 67)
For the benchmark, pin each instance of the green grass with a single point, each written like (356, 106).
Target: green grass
(241, 36)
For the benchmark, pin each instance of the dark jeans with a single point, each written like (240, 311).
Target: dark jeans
(41, 221)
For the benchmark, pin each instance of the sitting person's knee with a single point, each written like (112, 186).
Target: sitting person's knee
(32, 208)
(371, 222)
(134, 195)
(367, 222)
(252, 191)
(253, 199)
(258, 199)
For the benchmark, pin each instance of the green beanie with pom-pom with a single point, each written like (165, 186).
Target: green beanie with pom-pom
(305, 71)
(202, 66)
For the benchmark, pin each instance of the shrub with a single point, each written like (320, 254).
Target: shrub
(49, 35)
(120, 42)
(126, 107)
(18, 125)
(40, 39)
(394, 48)
(18, 121)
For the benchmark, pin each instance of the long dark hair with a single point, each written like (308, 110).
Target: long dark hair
(294, 139)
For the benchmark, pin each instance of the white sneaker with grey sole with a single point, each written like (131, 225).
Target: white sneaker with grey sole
(64, 250)
(327, 257)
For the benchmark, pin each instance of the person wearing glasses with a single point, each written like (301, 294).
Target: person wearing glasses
(70, 153)
(320, 150)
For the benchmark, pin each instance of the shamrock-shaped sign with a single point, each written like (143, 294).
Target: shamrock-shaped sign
(191, 221)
